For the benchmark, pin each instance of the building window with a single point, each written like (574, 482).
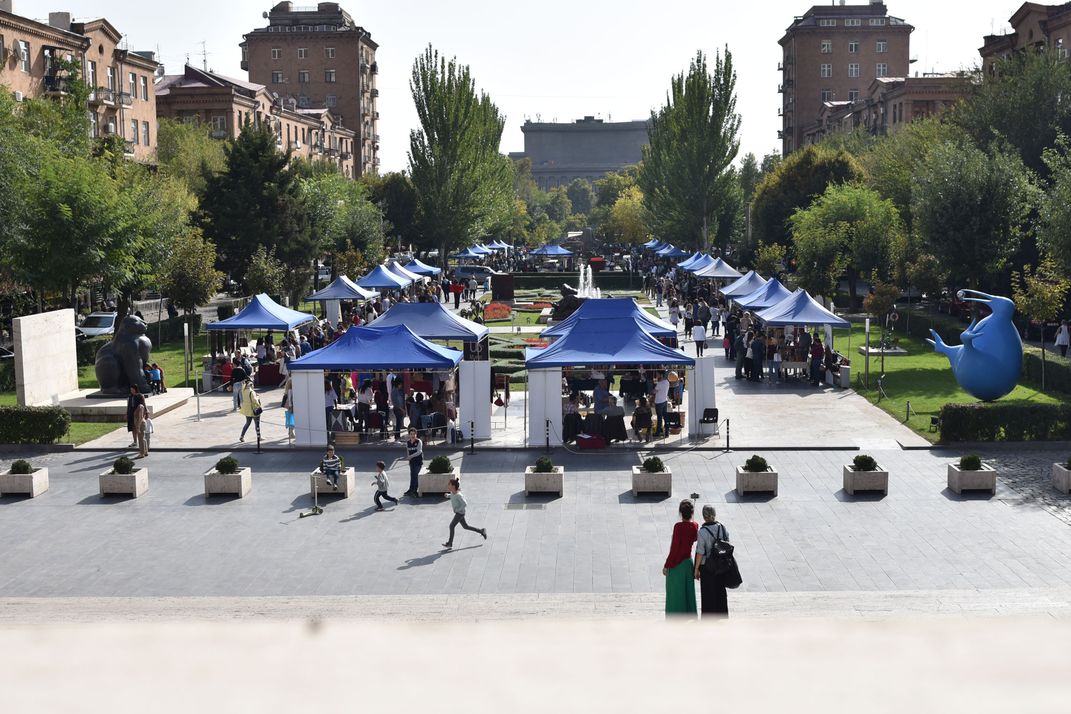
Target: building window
(133, 81)
(853, 95)
(303, 76)
(827, 71)
(853, 48)
(853, 70)
(219, 122)
(329, 76)
(134, 131)
(877, 21)
(881, 47)
(827, 95)
(853, 22)
(276, 77)
(329, 52)
(94, 125)
(331, 101)
(24, 55)
(827, 47)
(91, 76)
(145, 132)
(882, 70)
(827, 22)
(111, 79)
(276, 53)
(302, 52)
(145, 88)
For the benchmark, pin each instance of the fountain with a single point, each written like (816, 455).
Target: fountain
(586, 287)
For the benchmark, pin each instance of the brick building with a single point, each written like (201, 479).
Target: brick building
(122, 99)
(833, 53)
(589, 148)
(319, 58)
(1035, 26)
(226, 105)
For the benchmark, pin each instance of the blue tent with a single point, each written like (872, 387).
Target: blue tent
(552, 251)
(431, 321)
(397, 268)
(602, 341)
(666, 249)
(469, 254)
(502, 244)
(612, 308)
(745, 285)
(799, 309)
(379, 278)
(675, 253)
(263, 313)
(651, 243)
(691, 261)
(342, 289)
(717, 269)
(659, 245)
(704, 261)
(415, 266)
(480, 249)
(373, 348)
(768, 295)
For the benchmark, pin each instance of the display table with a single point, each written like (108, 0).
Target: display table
(268, 375)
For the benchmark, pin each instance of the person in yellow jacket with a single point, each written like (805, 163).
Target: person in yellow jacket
(250, 409)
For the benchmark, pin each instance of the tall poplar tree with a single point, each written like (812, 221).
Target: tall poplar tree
(685, 175)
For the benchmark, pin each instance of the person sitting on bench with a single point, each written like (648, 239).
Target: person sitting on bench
(641, 420)
(331, 467)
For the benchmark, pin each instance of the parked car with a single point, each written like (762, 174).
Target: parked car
(480, 272)
(97, 324)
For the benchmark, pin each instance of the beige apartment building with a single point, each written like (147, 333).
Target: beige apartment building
(122, 101)
(833, 53)
(226, 105)
(1035, 26)
(319, 58)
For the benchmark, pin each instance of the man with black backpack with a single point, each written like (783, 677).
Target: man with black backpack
(715, 565)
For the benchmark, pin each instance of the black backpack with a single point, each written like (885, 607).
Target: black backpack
(722, 564)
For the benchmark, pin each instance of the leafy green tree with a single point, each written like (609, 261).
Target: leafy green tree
(794, 184)
(1054, 211)
(970, 208)
(927, 275)
(61, 121)
(1039, 294)
(265, 274)
(856, 142)
(692, 142)
(770, 259)
(342, 218)
(559, 207)
(188, 275)
(394, 194)
(463, 185)
(730, 217)
(581, 196)
(769, 164)
(750, 175)
(187, 151)
(629, 218)
(610, 187)
(820, 260)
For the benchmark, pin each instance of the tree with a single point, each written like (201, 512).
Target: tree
(189, 276)
(559, 207)
(819, 260)
(880, 303)
(265, 273)
(628, 217)
(692, 141)
(610, 187)
(750, 175)
(581, 196)
(463, 186)
(1039, 294)
(970, 208)
(394, 194)
(1054, 213)
(187, 151)
(927, 275)
(793, 184)
(342, 218)
(770, 259)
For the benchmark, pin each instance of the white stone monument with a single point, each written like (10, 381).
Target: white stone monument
(46, 359)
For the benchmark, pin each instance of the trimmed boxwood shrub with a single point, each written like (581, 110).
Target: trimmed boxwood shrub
(970, 462)
(22, 466)
(756, 465)
(7, 376)
(440, 465)
(123, 465)
(1057, 372)
(653, 465)
(543, 465)
(33, 425)
(864, 462)
(1005, 422)
(227, 465)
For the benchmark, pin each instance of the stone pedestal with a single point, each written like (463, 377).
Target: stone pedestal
(132, 484)
(552, 482)
(237, 484)
(1061, 478)
(646, 482)
(876, 480)
(31, 484)
(428, 482)
(347, 483)
(762, 482)
(984, 479)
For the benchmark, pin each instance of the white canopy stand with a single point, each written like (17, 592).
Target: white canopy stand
(544, 404)
(307, 398)
(701, 396)
(474, 403)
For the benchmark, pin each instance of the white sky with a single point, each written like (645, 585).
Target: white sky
(558, 59)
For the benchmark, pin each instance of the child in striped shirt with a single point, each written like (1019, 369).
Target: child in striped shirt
(331, 467)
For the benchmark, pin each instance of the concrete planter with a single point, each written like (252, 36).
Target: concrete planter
(436, 484)
(32, 484)
(236, 484)
(646, 482)
(347, 483)
(982, 480)
(1061, 478)
(553, 482)
(748, 482)
(876, 480)
(132, 484)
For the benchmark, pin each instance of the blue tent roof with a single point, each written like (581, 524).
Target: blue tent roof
(469, 254)
(502, 244)
(399, 270)
(342, 289)
(657, 246)
(691, 261)
(702, 262)
(431, 321)
(379, 278)
(675, 253)
(799, 309)
(263, 313)
(552, 250)
(372, 348)
(768, 295)
(666, 249)
(717, 268)
(415, 266)
(482, 250)
(651, 243)
(616, 308)
(745, 285)
(605, 341)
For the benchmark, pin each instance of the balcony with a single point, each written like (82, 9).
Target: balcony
(128, 148)
(126, 99)
(219, 133)
(375, 68)
(104, 96)
(375, 92)
(780, 89)
(245, 65)
(780, 134)
(55, 85)
(346, 156)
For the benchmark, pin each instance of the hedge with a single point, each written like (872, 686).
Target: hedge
(7, 375)
(170, 330)
(33, 425)
(1057, 371)
(1005, 422)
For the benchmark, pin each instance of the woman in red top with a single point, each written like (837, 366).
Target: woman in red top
(680, 585)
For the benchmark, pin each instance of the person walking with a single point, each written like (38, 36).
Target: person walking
(1063, 338)
(397, 402)
(459, 504)
(141, 417)
(414, 453)
(382, 484)
(132, 401)
(238, 377)
(715, 602)
(661, 399)
(699, 337)
(704, 314)
(678, 570)
(250, 409)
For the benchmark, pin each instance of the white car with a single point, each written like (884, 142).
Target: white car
(97, 324)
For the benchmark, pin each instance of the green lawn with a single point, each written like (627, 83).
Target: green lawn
(168, 355)
(922, 377)
(525, 318)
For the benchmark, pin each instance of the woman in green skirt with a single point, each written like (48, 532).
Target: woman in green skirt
(680, 582)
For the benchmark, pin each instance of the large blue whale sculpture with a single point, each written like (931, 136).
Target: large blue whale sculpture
(988, 363)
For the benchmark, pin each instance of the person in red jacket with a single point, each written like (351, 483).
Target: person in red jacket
(680, 582)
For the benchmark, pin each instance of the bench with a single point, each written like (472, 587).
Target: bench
(347, 483)
(544, 315)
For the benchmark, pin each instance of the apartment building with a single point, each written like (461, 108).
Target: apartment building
(1033, 25)
(319, 58)
(226, 105)
(833, 53)
(122, 101)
